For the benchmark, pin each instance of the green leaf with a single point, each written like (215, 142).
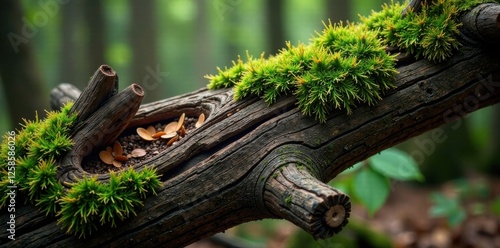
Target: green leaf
(371, 188)
(396, 164)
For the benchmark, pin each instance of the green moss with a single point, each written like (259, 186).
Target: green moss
(87, 202)
(432, 33)
(346, 64)
(288, 200)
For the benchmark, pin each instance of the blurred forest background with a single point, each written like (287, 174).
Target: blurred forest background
(168, 46)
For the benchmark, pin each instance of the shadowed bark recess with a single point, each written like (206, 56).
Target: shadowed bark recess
(251, 161)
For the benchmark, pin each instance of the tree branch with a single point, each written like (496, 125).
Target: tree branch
(251, 161)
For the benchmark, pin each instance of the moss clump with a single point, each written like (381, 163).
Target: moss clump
(432, 33)
(343, 66)
(28, 162)
(89, 201)
(346, 65)
(36, 147)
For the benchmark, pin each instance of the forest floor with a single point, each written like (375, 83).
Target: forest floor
(406, 220)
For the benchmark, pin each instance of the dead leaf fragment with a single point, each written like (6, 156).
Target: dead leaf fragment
(158, 135)
(182, 132)
(180, 122)
(136, 153)
(201, 120)
(170, 130)
(106, 157)
(151, 130)
(113, 156)
(117, 149)
(144, 134)
(117, 164)
(121, 158)
(172, 140)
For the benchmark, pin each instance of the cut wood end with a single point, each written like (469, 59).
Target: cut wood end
(335, 216)
(137, 89)
(107, 70)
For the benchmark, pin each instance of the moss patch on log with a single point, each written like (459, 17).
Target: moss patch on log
(28, 167)
(347, 64)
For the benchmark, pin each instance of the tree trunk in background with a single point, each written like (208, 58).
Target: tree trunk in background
(232, 50)
(338, 10)
(69, 63)
(22, 82)
(495, 142)
(95, 29)
(144, 53)
(204, 60)
(275, 28)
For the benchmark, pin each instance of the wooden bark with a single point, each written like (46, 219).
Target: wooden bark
(251, 161)
(101, 128)
(102, 85)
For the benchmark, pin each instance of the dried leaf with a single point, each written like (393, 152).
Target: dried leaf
(200, 121)
(151, 130)
(121, 158)
(144, 134)
(110, 150)
(117, 149)
(117, 164)
(170, 130)
(182, 132)
(169, 135)
(158, 135)
(136, 153)
(180, 122)
(106, 157)
(172, 140)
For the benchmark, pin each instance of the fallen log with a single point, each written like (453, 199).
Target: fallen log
(251, 161)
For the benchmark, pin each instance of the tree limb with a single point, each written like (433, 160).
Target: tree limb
(251, 161)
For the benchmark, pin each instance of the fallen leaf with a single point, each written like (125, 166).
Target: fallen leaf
(182, 131)
(200, 121)
(172, 140)
(117, 149)
(136, 153)
(180, 122)
(170, 130)
(151, 130)
(121, 158)
(106, 157)
(144, 134)
(158, 135)
(117, 164)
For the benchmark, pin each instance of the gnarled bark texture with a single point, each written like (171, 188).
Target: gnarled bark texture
(251, 161)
